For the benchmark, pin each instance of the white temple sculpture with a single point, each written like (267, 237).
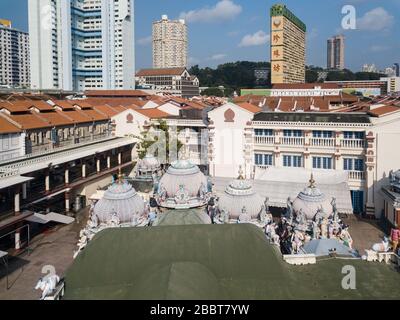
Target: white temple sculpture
(183, 186)
(312, 202)
(239, 199)
(120, 203)
(148, 167)
(121, 206)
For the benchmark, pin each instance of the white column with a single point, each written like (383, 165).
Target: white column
(108, 162)
(17, 240)
(98, 165)
(67, 202)
(83, 170)
(66, 175)
(24, 191)
(17, 202)
(119, 158)
(47, 181)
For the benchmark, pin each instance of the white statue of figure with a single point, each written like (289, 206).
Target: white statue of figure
(331, 227)
(244, 217)
(346, 238)
(289, 208)
(335, 210)
(47, 284)
(319, 216)
(271, 233)
(224, 216)
(383, 246)
(301, 218)
(266, 205)
(263, 216)
(324, 228)
(114, 220)
(202, 191)
(316, 230)
(297, 241)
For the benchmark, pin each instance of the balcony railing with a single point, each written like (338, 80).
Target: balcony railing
(314, 142)
(264, 139)
(292, 141)
(322, 142)
(356, 175)
(352, 143)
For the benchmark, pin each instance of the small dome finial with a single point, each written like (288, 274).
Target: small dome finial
(241, 177)
(312, 181)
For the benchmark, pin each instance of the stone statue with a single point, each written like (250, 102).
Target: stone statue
(47, 285)
(266, 205)
(335, 210)
(114, 220)
(162, 192)
(289, 208)
(324, 228)
(319, 215)
(224, 216)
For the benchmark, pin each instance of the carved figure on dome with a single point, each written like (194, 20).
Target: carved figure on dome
(319, 215)
(316, 230)
(114, 220)
(162, 192)
(324, 228)
(182, 196)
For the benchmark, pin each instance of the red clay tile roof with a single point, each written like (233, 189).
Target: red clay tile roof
(249, 107)
(30, 121)
(7, 127)
(116, 93)
(153, 113)
(55, 118)
(384, 110)
(63, 104)
(160, 72)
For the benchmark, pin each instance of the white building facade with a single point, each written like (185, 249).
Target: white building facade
(14, 58)
(82, 44)
(170, 43)
(357, 144)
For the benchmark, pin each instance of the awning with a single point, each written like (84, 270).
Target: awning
(13, 180)
(280, 183)
(97, 196)
(50, 217)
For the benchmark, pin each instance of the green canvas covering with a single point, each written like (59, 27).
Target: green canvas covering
(211, 262)
(182, 217)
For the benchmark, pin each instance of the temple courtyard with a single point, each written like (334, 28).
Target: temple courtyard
(56, 248)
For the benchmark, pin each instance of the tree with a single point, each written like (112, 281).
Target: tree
(147, 139)
(233, 75)
(311, 76)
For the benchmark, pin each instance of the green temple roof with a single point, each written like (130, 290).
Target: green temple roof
(211, 262)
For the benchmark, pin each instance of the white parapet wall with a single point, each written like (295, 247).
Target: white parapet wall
(300, 259)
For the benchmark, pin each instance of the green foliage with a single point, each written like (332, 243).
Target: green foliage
(233, 76)
(146, 140)
(311, 76)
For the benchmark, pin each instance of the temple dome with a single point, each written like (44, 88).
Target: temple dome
(238, 194)
(149, 163)
(182, 184)
(310, 200)
(122, 200)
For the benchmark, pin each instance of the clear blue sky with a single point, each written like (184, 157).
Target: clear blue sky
(230, 30)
